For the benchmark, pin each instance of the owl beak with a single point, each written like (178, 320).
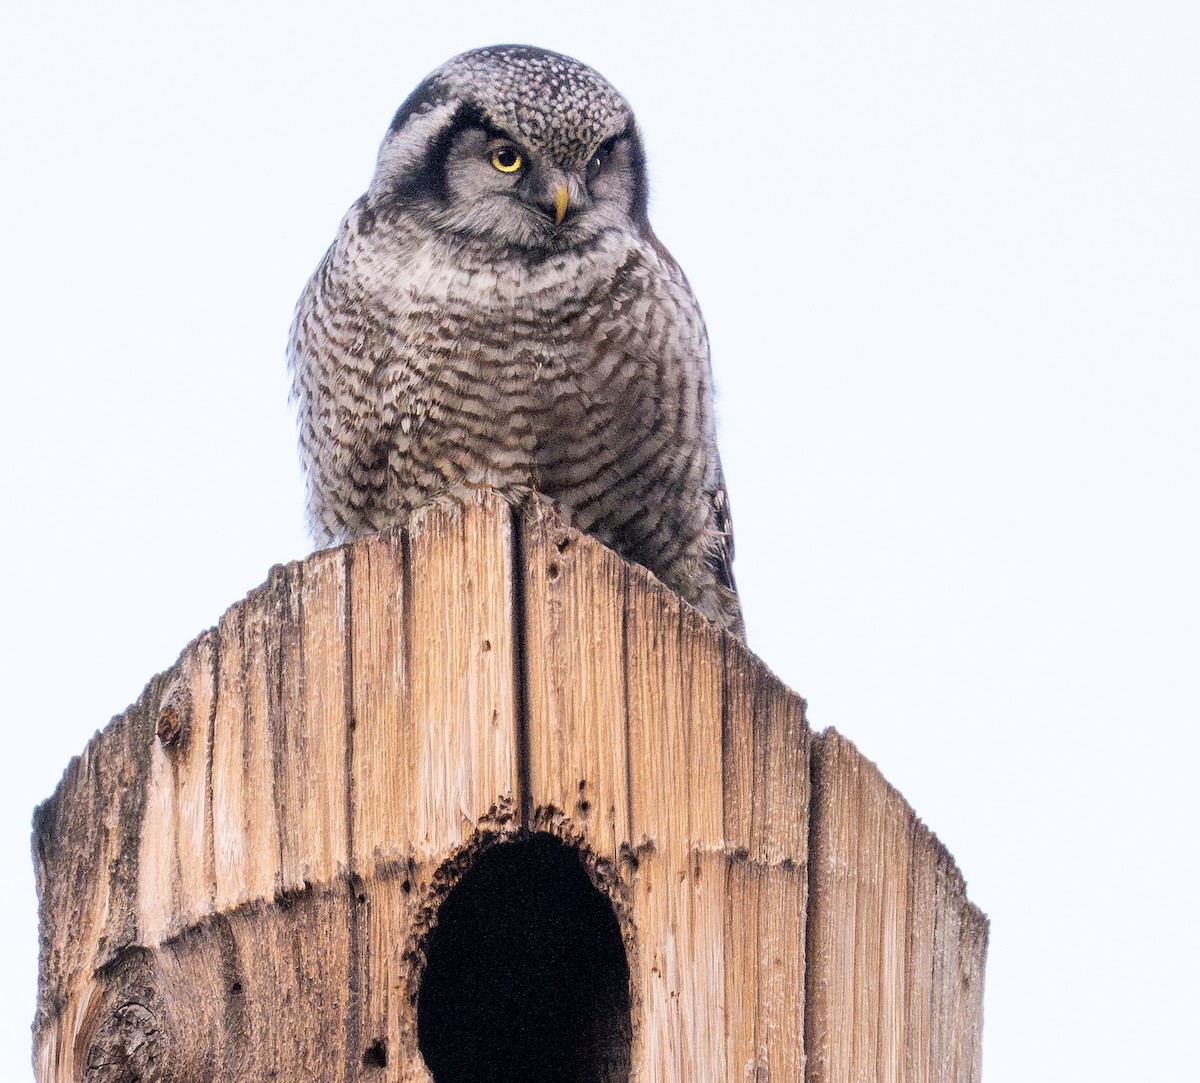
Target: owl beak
(560, 204)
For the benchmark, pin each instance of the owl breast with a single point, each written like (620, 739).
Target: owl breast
(581, 376)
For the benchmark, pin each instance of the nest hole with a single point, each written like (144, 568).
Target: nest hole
(526, 978)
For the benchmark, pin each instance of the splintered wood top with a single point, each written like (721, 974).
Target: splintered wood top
(237, 877)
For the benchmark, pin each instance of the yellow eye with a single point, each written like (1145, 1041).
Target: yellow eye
(506, 159)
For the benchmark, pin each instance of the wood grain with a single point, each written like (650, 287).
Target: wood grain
(575, 650)
(462, 707)
(238, 877)
(245, 818)
(434, 743)
(308, 722)
(894, 985)
(675, 721)
(766, 795)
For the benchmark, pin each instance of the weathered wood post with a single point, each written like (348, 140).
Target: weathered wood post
(477, 800)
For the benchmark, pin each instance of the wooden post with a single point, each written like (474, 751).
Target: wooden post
(476, 800)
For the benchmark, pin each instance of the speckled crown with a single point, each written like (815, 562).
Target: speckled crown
(546, 99)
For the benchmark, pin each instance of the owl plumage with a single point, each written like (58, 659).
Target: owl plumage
(497, 312)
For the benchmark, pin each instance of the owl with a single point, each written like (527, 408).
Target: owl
(497, 312)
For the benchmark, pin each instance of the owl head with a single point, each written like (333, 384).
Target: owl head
(515, 145)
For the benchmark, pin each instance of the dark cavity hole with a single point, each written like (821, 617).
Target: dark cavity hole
(375, 1055)
(526, 979)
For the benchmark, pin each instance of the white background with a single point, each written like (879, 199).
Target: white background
(949, 254)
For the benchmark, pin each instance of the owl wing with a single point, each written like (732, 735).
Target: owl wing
(721, 554)
(334, 351)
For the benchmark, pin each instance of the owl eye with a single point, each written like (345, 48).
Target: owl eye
(596, 164)
(506, 159)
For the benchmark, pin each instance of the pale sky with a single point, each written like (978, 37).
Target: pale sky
(949, 257)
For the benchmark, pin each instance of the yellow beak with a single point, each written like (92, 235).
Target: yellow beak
(560, 203)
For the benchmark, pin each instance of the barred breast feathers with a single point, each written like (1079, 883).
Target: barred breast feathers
(434, 350)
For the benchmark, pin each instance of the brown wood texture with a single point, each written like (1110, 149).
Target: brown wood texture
(896, 951)
(239, 877)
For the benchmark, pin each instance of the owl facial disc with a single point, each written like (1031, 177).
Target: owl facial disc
(515, 144)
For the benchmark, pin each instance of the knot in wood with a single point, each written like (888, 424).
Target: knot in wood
(128, 1048)
(174, 713)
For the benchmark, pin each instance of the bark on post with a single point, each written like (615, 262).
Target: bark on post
(478, 800)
